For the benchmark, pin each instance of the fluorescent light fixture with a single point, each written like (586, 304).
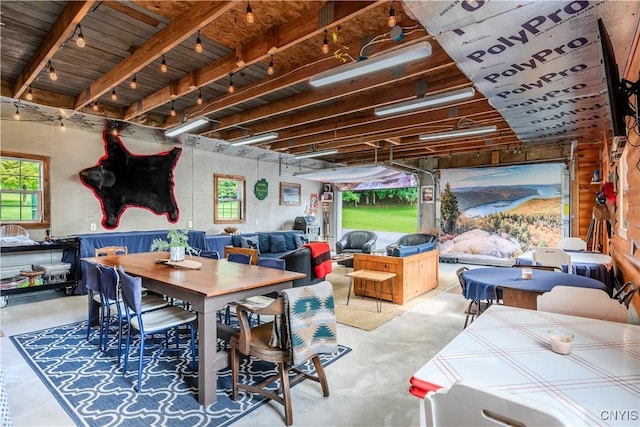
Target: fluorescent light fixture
(255, 138)
(427, 101)
(377, 63)
(186, 127)
(459, 132)
(316, 154)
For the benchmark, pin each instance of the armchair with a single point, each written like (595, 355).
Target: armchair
(355, 242)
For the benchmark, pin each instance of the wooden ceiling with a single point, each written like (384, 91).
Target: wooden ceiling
(127, 39)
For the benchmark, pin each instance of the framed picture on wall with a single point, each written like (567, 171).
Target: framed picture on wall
(313, 202)
(426, 194)
(327, 197)
(289, 194)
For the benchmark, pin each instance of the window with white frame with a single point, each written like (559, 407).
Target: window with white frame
(623, 190)
(24, 190)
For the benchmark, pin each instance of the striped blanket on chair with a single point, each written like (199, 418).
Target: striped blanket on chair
(311, 321)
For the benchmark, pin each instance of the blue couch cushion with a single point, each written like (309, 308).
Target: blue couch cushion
(289, 241)
(402, 251)
(277, 242)
(264, 244)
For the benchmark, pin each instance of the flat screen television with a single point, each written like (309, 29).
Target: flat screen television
(617, 99)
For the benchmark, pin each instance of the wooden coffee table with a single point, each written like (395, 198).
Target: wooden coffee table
(377, 277)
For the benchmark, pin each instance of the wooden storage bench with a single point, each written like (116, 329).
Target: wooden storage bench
(415, 274)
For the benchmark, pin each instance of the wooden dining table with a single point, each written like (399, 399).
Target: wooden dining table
(208, 289)
(508, 348)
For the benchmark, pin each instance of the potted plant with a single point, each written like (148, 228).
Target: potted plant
(177, 244)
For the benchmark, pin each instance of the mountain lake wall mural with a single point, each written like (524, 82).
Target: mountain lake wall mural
(500, 212)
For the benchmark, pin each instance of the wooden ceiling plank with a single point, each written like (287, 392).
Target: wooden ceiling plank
(61, 30)
(295, 32)
(184, 26)
(133, 13)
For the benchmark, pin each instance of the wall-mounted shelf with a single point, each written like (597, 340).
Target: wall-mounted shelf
(596, 182)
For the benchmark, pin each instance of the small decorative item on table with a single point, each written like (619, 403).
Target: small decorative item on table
(230, 230)
(177, 245)
(561, 341)
(527, 273)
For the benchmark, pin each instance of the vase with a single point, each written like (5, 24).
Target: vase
(176, 254)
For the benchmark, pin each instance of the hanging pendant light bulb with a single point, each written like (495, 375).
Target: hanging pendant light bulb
(198, 46)
(173, 110)
(80, 40)
(199, 100)
(325, 43)
(392, 17)
(95, 106)
(52, 73)
(270, 69)
(114, 95)
(231, 87)
(16, 116)
(250, 18)
(62, 127)
(29, 96)
(134, 82)
(163, 65)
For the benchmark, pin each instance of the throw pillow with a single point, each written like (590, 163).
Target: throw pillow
(277, 243)
(297, 238)
(263, 243)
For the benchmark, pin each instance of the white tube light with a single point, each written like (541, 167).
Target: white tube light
(370, 65)
(316, 154)
(256, 138)
(459, 132)
(427, 101)
(186, 126)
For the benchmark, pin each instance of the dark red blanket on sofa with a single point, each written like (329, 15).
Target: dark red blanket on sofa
(320, 258)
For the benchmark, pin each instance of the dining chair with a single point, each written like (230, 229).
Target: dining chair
(304, 327)
(94, 298)
(475, 307)
(206, 253)
(554, 257)
(572, 244)
(112, 300)
(152, 322)
(111, 250)
(582, 302)
(239, 258)
(467, 404)
(624, 294)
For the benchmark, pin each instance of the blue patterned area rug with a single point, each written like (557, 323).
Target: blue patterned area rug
(93, 391)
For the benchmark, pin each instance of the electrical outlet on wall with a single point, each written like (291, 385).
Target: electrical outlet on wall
(92, 226)
(190, 224)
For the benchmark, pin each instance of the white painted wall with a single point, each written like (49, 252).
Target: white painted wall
(74, 207)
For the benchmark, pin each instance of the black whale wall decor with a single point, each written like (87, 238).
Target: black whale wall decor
(122, 179)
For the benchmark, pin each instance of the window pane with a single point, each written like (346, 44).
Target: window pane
(229, 198)
(21, 191)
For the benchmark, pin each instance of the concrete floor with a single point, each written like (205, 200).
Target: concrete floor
(369, 386)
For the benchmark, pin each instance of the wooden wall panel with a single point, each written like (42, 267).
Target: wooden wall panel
(624, 251)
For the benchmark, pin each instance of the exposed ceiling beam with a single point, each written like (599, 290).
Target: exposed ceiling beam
(350, 102)
(185, 25)
(277, 38)
(61, 30)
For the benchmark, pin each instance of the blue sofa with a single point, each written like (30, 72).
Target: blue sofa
(411, 244)
(271, 244)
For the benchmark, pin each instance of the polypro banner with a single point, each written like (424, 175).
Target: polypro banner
(538, 63)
